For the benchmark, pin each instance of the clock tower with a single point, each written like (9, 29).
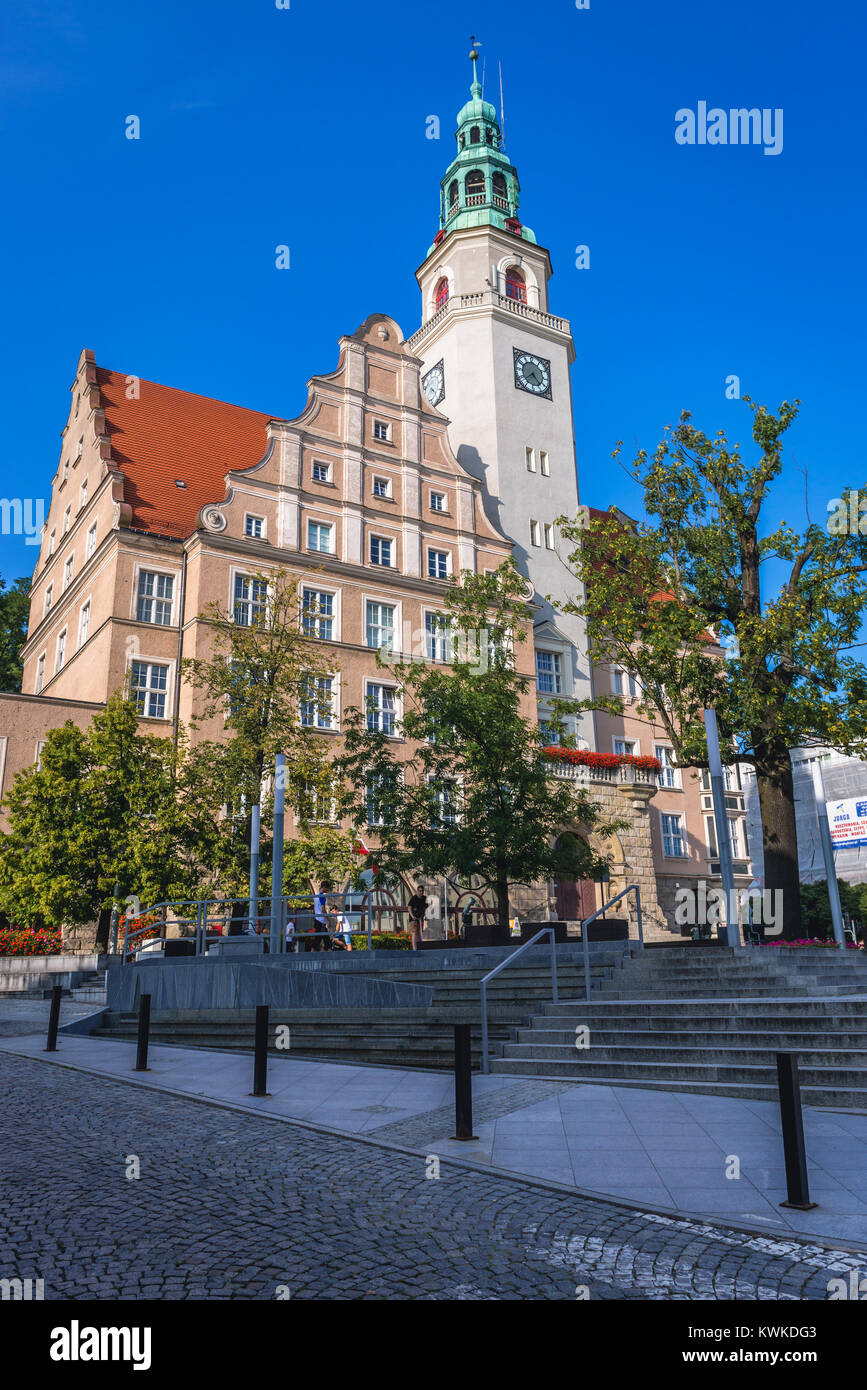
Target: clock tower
(496, 362)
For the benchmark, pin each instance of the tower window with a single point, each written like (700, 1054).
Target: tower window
(516, 285)
(453, 194)
(500, 190)
(474, 185)
(475, 136)
(441, 296)
(489, 136)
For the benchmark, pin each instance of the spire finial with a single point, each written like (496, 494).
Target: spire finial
(476, 88)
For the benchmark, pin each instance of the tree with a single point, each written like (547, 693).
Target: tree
(268, 678)
(788, 606)
(471, 792)
(14, 612)
(105, 805)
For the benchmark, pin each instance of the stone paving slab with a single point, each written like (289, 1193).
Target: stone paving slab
(666, 1150)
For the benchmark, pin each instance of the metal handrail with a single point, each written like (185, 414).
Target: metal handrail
(546, 931)
(600, 912)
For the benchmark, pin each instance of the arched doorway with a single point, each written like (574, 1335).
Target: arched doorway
(575, 899)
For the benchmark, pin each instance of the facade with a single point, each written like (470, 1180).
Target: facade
(414, 459)
(844, 778)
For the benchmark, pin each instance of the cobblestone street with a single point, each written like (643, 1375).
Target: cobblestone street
(233, 1206)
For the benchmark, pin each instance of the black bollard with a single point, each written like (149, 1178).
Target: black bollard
(260, 1052)
(463, 1083)
(793, 1133)
(144, 1027)
(53, 1019)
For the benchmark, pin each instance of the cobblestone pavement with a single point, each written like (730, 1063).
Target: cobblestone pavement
(229, 1205)
(437, 1124)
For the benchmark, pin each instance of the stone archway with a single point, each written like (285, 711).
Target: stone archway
(574, 899)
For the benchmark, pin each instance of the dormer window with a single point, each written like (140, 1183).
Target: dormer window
(475, 136)
(474, 185)
(516, 285)
(441, 294)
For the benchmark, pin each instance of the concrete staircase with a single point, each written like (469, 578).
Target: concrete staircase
(33, 977)
(710, 1021)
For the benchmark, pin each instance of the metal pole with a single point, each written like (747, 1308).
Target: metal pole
(463, 1084)
(486, 1066)
(585, 942)
(554, 995)
(277, 848)
(53, 1019)
(720, 815)
(828, 852)
(792, 1122)
(144, 1023)
(255, 817)
(115, 915)
(260, 1052)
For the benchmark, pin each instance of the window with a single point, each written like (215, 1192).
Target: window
(321, 471)
(317, 615)
(474, 187)
(669, 774)
(475, 135)
(52, 541)
(499, 187)
(535, 533)
(378, 786)
(381, 709)
(544, 464)
(381, 429)
(320, 536)
(380, 626)
(625, 747)
(516, 285)
(84, 623)
(673, 846)
(380, 551)
(437, 637)
(61, 651)
(65, 474)
(710, 833)
(49, 595)
(316, 804)
(66, 519)
(444, 808)
(382, 487)
(317, 702)
(549, 536)
(624, 683)
(438, 564)
(251, 596)
(148, 686)
(67, 571)
(438, 502)
(548, 673)
(90, 545)
(735, 837)
(155, 593)
(40, 673)
(549, 734)
(441, 293)
(531, 459)
(82, 495)
(254, 526)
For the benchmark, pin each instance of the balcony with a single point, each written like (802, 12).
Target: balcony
(495, 300)
(614, 776)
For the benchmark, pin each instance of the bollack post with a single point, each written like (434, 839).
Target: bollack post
(144, 1028)
(792, 1120)
(463, 1084)
(260, 1052)
(53, 1019)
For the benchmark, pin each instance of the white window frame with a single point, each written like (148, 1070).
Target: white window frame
(544, 463)
(434, 550)
(378, 427)
(90, 543)
(375, 538)
(317, 618)
(82, 494)
(530, 458)
(633, 752)
(437, 645)
(535, 533)
(67, 521)
(556, 672)
(548, 529)
(60, 650)
(394, 712)
(68, 571)
(150, 662)
(671, 838)
(333, 724)
(396, 630)
(52, 542)
(328, 526)
(255, 518)
(435, 507)
(385, 490)
(320, 463)
(39, 680)
(669, 766)
(154, 599)
(620, 676)
(83, 624)
(248, 600)
(47, 601)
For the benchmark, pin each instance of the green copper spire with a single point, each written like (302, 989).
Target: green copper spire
(480, 188)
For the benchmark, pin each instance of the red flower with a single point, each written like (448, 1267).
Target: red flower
(602, 760)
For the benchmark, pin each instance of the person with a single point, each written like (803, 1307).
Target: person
(467, 917)
(417, 908)
(290, 934)
(343, 926)
(320, 919)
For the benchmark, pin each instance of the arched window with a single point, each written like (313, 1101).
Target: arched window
(441, 293)
(516, 285)
(489, 135)
(474, 185)
(500, 190)
(463, 142)
(475, 136)
(453, 193)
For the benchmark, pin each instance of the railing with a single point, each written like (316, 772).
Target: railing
(493, 297)
(633, 888)
(546, 931)
(583, 772)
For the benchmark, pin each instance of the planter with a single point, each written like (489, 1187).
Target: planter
(529, 930)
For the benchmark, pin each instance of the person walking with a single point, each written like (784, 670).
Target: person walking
(321, 941)
(417, 908)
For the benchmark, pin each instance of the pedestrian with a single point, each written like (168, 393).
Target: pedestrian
(417, 909)
(320, 918)
(290, 934)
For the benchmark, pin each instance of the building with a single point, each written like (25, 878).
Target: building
(844, 778)
(414, 459)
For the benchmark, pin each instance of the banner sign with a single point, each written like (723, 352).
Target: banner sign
(848, 822)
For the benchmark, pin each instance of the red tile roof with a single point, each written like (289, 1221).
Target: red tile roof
(168, 434)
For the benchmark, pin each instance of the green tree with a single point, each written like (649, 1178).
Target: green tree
(14, 612)
(787, 605)
(470, 792)
(105, 805)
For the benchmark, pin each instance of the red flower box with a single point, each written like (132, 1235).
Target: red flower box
(602, 760)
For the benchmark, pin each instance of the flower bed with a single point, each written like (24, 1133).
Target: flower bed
(25, 941)
(816, 941)
(383, 941)
(602, 760)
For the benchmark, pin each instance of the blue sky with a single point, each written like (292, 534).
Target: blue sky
(306, 127)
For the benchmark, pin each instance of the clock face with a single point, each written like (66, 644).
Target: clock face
(532, 373)
(434, 384)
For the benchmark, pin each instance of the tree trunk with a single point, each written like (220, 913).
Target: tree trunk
(779, 838)
(502, 896)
